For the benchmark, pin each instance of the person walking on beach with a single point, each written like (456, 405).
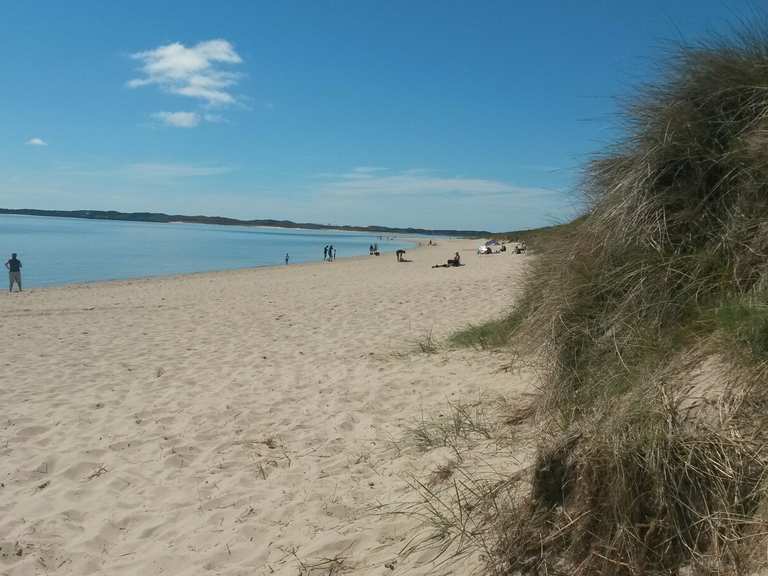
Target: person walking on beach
(334, 254)
(325, 253)
(14, 272)
(286, 258)
(330, 253)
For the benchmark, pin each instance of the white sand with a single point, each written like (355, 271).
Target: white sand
(237, 422)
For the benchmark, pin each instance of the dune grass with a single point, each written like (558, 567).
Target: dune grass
(746, 320)
(665, 271)
(491, 335)
(629, 482)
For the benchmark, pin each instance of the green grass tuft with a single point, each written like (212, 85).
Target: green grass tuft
(746, 320)
(492, 335)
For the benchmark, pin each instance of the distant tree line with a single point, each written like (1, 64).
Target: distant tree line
(165, 218)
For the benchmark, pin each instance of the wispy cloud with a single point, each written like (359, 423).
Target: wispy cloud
(367, 169)
(352, 174)
(157, 170)
(214, 118)
(359, 173)
(196, 72)
(370, 181)
(178, 119)
(36, 142)
(176, 170)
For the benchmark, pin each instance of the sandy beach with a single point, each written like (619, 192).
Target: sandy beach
(243, 422)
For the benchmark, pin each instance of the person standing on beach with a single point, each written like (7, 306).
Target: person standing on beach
(286, 258)
(334, 254)
(325, 253)
(14, 272)
(331, 251)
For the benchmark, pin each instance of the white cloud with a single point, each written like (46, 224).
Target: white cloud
(36, 142)
(195, 72)
(178, 119)
(370, 181)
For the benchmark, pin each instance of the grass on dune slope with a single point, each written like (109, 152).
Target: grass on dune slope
(664, 279)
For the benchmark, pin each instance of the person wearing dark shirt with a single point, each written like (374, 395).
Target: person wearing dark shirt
(14, 272)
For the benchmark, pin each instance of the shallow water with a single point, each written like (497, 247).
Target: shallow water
(69, 250)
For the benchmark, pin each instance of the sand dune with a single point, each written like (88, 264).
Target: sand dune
(246, 422)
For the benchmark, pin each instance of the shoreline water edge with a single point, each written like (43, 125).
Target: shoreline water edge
(61, 251)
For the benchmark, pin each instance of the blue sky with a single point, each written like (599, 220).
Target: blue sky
(435, 114)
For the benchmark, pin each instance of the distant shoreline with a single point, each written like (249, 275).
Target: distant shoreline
(159, 217)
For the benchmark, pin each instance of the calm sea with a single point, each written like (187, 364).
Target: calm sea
(67, 250)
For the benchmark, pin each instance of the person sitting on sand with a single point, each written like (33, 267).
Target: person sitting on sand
(14, 272)
(455, 261)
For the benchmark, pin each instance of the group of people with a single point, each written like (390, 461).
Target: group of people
(14, 272)
(329, 253)
(517, 247)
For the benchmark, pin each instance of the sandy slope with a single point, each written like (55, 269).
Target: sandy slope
(242, 422)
